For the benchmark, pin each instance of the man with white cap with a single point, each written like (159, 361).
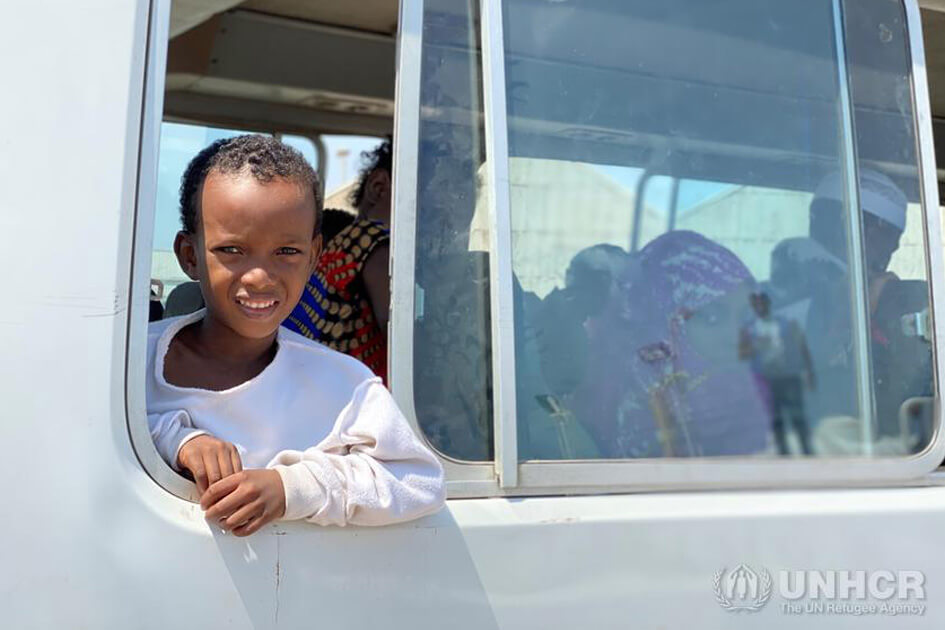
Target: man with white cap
(884, 220)
(830, 321)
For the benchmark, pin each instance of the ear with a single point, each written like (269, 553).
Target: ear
(378, 185)
(316, 252)
(185, 248)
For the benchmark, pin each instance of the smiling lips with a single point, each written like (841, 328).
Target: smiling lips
(257, 308)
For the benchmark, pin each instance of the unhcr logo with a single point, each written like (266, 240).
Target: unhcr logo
(742, 589)
(830, 592)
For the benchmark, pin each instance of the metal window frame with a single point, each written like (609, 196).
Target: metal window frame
(501, 300)
(859, 294)
(135, 398)
(601, 476)
(463, 478)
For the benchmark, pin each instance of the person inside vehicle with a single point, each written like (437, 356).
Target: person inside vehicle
(346, 303)
(656, 371)
(822, 261)
(557, 331)
(271, 425)
(777, 352)
(677, 328)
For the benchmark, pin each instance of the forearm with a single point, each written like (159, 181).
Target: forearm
(356, 489)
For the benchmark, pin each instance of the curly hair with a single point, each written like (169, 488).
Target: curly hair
(381, 158)
(264, 156)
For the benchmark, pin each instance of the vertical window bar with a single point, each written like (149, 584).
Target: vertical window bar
(404, 217)
(321, 155)
(859, 292)
(925, 140)
(500, 244)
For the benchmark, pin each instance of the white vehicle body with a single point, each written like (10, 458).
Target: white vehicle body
(90, 540)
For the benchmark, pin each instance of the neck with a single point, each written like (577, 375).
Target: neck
(372, 212)
(214, 339)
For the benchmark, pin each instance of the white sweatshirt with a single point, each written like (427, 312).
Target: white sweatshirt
(345, 452)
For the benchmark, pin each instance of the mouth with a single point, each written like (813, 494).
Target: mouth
(257, 308)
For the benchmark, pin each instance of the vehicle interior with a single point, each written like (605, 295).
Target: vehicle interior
(259, 64)
(273, 64)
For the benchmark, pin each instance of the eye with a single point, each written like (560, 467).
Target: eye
(288, 251)
(228, 249)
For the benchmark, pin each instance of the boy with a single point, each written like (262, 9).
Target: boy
(270, 424)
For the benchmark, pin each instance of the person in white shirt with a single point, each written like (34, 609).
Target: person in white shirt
(270, 424)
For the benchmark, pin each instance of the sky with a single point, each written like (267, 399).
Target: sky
(658, 191)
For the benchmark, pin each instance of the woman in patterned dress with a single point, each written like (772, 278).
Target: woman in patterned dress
(346, 303)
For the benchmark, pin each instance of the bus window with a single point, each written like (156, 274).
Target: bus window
(215, 86)
(741, 308)
(451, 347)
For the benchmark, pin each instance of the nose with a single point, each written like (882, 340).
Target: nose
(258, 277)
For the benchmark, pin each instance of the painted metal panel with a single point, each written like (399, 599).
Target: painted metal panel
(90, 540)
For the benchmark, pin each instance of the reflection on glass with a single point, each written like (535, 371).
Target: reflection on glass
(892, 220)
(680, 231)
(452, 379)
(781, 363)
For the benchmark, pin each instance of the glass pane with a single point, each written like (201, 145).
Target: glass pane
(892, 218)
(662, 233)
(452, 381)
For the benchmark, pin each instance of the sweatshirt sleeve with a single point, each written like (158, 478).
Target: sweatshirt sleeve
(371, 469)
(170, 431)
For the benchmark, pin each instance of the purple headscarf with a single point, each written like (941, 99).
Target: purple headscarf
(656, 388)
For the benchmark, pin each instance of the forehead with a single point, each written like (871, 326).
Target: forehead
(238, 203)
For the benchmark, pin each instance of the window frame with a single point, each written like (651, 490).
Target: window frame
(463, 478)
(506, 475)
(145, 210)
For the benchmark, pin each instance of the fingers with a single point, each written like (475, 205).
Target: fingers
(235, 459)
(227, 506)
(252, 526)
(218, 491)
(228, 459)
(245, 501)
(243, 516)
(209, 460)
(225, 463)
(199, 471)
(211, 465)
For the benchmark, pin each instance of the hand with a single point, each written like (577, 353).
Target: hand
(244, 502)
(209, 460)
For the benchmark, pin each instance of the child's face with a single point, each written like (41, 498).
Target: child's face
(253, 251)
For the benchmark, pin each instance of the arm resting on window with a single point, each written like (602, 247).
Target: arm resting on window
(371, 469)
